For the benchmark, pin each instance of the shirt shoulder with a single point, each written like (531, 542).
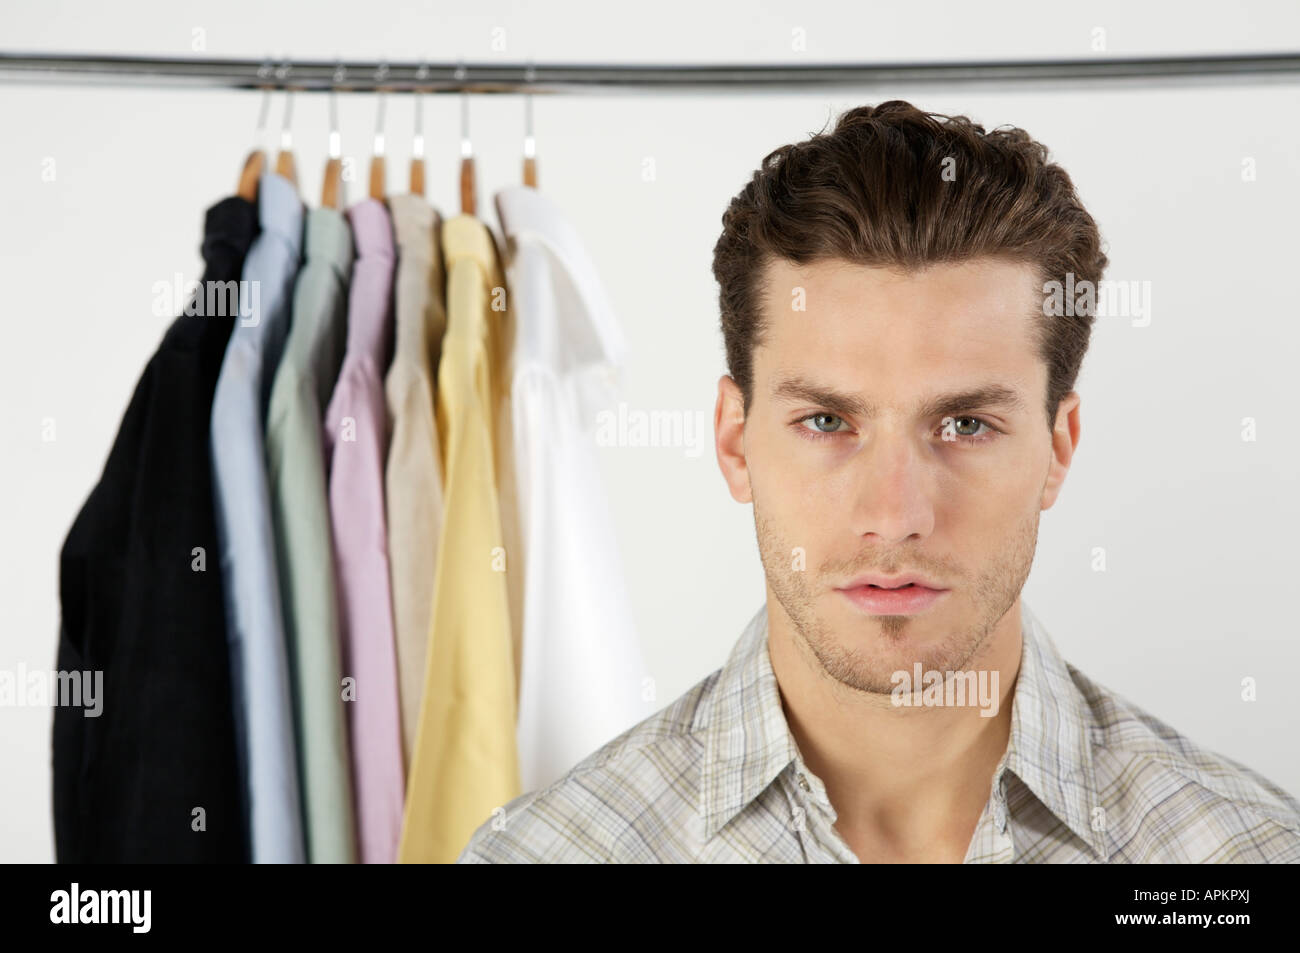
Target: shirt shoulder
(1168, 799)
(633, 800)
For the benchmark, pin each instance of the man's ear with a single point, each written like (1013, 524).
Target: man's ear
(729, 439)
(1065, 440)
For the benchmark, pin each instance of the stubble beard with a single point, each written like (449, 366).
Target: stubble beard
(865, 659)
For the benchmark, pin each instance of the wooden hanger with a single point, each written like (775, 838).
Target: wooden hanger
(377, 190)
(284, 164)
(467, 185)
(417, 145)
(331, 190)
(417, 176)
(467, 189)
(250, 175)
(530, 144)
(377, 184)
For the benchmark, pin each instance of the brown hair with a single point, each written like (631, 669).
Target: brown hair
(872, 192)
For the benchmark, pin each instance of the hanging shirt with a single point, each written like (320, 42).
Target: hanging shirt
(716, 777)
(356, 439)
(466, 763)
(582, 667)
(501, 341)
(259, 664)
(141, 600)
(413, 472)
(304, 547)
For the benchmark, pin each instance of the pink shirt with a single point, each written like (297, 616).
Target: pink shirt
(356, 438)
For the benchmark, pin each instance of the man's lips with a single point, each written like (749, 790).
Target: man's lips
(893, 582)
(893, 595)
(902, 601)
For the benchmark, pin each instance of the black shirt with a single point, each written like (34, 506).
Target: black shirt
(128, 784)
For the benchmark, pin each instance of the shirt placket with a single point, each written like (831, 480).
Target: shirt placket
(992, 843)
(819, 818)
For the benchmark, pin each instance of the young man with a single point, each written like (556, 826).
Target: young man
(899, 411)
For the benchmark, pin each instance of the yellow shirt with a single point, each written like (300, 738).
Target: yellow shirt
(466, 762)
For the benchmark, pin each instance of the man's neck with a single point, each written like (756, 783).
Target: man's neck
(907, 783)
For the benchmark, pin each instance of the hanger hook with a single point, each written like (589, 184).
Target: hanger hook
(466, 149)
(530, 144)
(286, 133)
(335, 145)
(417, 146)
(263, 73)
(381, 74)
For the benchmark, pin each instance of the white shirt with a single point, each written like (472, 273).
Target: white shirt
(581, 678)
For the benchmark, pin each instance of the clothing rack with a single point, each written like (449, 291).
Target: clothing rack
(493, 77)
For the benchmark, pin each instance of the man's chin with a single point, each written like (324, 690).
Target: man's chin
(853, 626)
(886, 644)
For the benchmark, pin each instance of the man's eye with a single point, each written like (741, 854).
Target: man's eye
(966, 429)
(822, 423)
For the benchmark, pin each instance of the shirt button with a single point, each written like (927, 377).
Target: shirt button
(803, 783)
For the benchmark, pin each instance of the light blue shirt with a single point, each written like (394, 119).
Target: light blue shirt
(259, 669)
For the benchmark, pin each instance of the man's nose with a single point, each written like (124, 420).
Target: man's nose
(893, 488)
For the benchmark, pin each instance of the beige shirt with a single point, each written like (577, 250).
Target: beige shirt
(413, 471)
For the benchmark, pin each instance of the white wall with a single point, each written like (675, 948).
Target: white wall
(1199, 527)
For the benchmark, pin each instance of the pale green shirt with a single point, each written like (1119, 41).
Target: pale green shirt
(304, 546)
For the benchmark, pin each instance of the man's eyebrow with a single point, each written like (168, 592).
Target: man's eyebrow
(795, 390)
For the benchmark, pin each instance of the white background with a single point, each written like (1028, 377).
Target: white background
(1198, 526)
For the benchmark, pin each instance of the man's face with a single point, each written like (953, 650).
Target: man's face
(845, 458)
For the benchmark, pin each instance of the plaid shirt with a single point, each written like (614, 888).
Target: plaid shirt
(716, 777)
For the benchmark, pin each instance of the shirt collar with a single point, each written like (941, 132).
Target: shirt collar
(329, 241)
(232, 223)
(748, 742)
(463, 236)
(370, 290)
(372, 229)
(280, 210)
(526, 213)
(1050, 748)
(415, 224)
